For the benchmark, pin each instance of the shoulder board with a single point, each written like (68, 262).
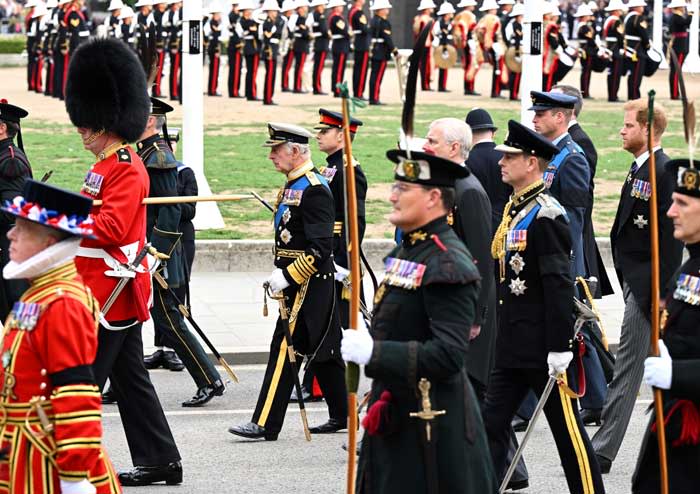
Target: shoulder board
(549, 207)
(123, 156)
(313, 178)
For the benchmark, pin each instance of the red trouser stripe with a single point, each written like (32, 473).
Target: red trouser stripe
(159, 74)
(174, 76)
(269, 81)
(378, 84)
(39, 70)
(214, 75)
(363, 73)
(319, 70)
(299, 72)
(254, 88)
(339, 75)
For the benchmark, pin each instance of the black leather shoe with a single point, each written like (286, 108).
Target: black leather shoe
(333, 425)
(519, 424)
(253, 431)
(591, 416)
(605, 464)
(108, 397)
(172, 362)
(205, 394)
(516, 485)
(171, 474)
(154, 360)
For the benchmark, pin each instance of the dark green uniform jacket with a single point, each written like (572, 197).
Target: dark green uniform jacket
(423, 312)
(682, 401)
(162, 221)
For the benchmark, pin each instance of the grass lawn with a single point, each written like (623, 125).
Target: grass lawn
(236, 163)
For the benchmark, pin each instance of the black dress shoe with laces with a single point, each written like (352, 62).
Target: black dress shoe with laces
(172, 362)
(520, 424)
(154, 360)
(516, 485)
(253, 431)
(591, 416)
(333, 425)
(171, 474)
(205, 394)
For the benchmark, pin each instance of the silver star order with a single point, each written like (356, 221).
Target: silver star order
(516, 263)
(285, 236)
(286, 216)
(517, 287)
(640, 222)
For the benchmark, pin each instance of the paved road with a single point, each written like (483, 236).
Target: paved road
(216, 462)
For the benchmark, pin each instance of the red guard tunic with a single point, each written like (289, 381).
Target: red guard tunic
(48, 346)
(121, 181)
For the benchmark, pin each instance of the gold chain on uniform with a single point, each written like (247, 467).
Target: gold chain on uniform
(498, 245)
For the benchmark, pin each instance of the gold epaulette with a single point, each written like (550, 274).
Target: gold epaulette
(313, 179)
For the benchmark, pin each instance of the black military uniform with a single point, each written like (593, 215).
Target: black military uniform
(322, 38)
(678, 28)
(340, 47)
(483, 163)
(514, 37)
(162, 223)
(160, 20)
(14, 171)
(49, 36)
(303, 254)
(682, 398)
(334, 173)
(235, 54)
(535, 294)
(360, 28)
(444, 26)
(60, 52)
(31, 28)
(251, 52)
(636, 44)
(587, 52)
(214, 52)
(613, 34)
(302, 36)
(421, 310)
(175, 49)
(271, 35)
(382, 50)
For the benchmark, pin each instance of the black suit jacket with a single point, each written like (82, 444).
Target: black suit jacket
(483, 162)
(591, 254)
(471, 223)
(630, 241)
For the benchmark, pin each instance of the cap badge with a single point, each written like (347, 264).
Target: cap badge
(411, 170)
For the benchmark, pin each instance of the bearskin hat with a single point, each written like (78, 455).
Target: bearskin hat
(106, 89)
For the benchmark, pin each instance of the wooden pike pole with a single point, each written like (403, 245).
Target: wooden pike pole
(352, 370)
(181, 199)
(655, 291)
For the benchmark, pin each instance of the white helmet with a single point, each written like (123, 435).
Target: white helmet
(144, 3)
(488, 5)
(270, 5)
(446, 8)
(115, 5)
(506, 2)
(677, 3)
(50, 4)
(636, 3)
(593, 5)
(335, 3)
(582, 10)
(615, 5)
(426, 4)
(126, 13)
(39, 10)
(287, 5)
(518, 9)
(380, 4)
(467, 3)
(301, 3)
(318, 3)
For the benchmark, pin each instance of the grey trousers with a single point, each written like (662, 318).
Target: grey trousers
(624, 387)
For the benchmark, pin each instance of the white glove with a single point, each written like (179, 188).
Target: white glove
(82, 487)
(357, 344)
(277, 281)
(558, 362)
(472, 45)
(658, 371)
(498, 50)
(341, 273)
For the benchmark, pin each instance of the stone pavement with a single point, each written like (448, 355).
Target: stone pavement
(228, 306)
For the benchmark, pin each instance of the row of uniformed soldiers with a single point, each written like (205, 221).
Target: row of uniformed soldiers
(621, 46)
(54, 32)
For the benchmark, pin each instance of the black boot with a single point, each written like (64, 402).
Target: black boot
(171, 474)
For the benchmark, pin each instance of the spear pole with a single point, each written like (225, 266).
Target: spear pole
(655, 293)
(352, 370)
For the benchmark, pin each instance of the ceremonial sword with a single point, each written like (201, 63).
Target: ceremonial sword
(133, 267)
(284, 315)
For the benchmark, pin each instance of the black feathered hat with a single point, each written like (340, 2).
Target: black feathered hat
(106, 89)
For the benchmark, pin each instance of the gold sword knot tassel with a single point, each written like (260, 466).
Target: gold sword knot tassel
(427, 413)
